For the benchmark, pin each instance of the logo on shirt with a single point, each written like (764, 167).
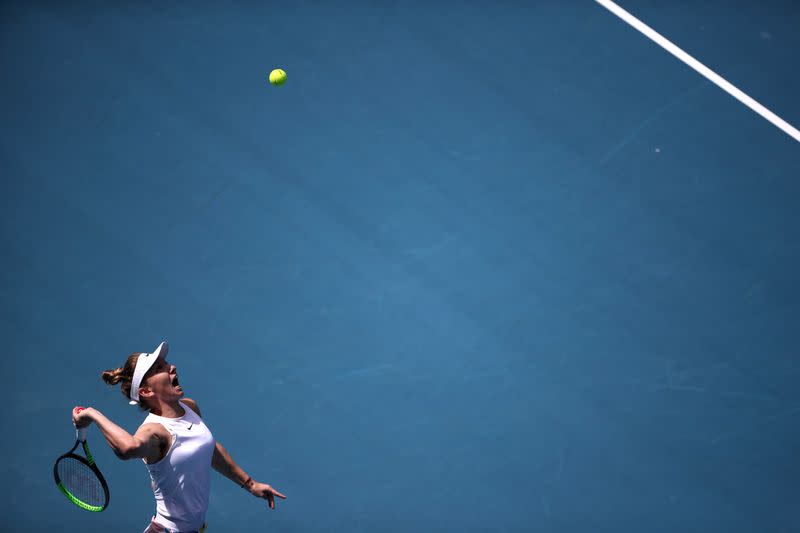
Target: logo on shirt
(190, 426)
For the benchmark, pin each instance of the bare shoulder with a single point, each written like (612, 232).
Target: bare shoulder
(152, 429)
(149, 443)
(192, 405)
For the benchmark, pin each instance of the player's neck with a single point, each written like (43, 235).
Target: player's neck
(169, 410)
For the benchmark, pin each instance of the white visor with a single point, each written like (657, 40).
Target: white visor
(143, 364)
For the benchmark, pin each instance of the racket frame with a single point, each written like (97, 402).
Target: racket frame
(80, 435)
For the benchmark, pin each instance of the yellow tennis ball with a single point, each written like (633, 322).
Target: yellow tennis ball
(277, 77)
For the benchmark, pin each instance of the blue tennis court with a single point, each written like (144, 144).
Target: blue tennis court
(476, 266)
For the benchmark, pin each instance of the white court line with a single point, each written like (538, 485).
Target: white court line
(701, 68)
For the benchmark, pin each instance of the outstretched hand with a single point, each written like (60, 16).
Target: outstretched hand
(262, 490)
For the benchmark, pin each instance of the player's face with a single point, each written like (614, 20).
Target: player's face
(162, 379)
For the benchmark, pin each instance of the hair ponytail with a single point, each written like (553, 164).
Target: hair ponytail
(123, 376)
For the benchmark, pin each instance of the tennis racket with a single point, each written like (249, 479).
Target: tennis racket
(79, 478)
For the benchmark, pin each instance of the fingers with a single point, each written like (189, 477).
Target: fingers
(270, 494)
(78, 420)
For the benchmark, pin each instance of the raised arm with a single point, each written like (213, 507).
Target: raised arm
(146, 443)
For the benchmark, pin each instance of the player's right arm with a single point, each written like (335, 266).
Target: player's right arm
(145, 443)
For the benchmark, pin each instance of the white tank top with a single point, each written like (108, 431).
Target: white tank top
(181, 480)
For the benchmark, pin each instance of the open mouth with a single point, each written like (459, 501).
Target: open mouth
(175, 382)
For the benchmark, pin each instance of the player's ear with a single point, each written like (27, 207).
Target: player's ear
(145, 392)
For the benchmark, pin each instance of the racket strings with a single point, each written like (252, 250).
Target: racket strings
(81, 481)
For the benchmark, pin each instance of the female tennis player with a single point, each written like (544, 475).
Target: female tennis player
(176, 446)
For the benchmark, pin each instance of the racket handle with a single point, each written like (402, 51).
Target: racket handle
(81, 434)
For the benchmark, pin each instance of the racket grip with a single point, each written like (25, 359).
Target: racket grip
(81, 434)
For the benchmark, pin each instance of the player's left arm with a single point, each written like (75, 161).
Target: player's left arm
(223, 463)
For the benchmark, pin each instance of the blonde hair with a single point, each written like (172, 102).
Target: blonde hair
(124, 376)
